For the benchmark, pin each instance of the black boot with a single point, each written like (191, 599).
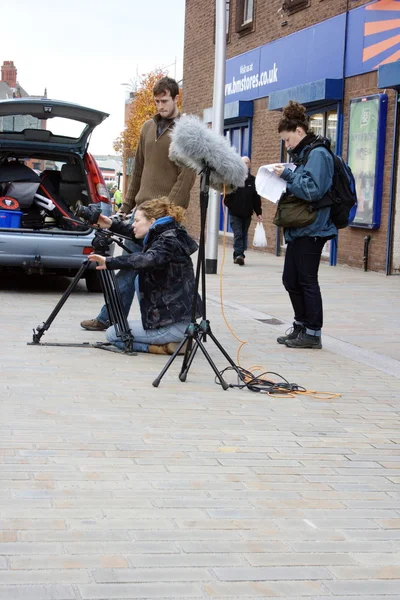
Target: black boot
(292, 335)
(304, 340)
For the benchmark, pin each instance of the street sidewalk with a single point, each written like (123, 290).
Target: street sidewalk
(361, 309)
(113, 489)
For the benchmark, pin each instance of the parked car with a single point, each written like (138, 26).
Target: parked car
(51, 138)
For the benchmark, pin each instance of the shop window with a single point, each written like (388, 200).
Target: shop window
(244, 16)
(325, 124)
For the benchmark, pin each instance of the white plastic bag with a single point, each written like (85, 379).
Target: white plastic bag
(260, 239)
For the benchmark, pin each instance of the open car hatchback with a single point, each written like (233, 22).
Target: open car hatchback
(46, 171)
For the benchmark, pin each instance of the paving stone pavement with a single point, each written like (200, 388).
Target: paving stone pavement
(112, 489)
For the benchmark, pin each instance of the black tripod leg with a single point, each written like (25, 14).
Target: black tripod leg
(109, 297)
(157, 380)
(41, 329)
(222, 350)
(188, 361)
(189, 347)
(112, 296)
(203, 260)
(222, 381)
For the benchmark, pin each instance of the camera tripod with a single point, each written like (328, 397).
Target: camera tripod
(196, 333)
(112, 296)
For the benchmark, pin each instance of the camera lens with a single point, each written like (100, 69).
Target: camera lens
(90, 214)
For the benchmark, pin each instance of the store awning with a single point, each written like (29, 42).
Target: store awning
(389, 76)
(233, 111)
(321, 92)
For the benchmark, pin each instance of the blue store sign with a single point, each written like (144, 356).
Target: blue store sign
(317, 53)
(308, 55)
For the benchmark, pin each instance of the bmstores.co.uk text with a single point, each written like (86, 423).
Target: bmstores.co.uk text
(248, 82)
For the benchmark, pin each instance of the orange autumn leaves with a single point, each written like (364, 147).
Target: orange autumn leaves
(141, 109)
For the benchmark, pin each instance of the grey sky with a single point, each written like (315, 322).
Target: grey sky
(82, 50)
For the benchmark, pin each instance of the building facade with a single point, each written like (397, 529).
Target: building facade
(10, 88)
(340, 58)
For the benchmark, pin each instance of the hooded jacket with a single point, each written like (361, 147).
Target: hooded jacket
(165, 270)
(244, 200)
(311, 181)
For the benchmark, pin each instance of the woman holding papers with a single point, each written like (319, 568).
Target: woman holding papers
(310, 181)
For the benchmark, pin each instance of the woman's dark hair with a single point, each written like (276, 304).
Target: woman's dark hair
(164, 85)
(294, 116)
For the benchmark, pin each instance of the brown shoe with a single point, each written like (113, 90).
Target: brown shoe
(239, 260)
(157, 349)
(166, 348)
(94, 325)
(172, 346)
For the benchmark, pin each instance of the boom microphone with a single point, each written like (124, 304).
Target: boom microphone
(195, 146)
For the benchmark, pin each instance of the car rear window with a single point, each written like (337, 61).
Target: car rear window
(58, 126)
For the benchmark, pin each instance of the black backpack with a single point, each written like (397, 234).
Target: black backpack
(342, 197)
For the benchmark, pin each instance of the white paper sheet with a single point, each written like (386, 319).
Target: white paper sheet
(269, 185)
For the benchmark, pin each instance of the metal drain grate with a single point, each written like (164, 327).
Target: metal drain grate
(272, 321)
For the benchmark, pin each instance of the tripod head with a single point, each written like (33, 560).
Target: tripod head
(102, 241)
(103, 238)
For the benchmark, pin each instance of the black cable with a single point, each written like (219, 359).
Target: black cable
(257, 383)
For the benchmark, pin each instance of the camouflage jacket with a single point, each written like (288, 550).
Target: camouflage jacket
(165, 270)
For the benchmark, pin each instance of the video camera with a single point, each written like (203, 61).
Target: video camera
(90, 214)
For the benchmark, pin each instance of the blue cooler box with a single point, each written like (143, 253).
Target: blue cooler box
(10, 218)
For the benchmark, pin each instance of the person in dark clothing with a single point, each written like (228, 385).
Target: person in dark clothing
(165, 273)
(241, 204)
(311, 180)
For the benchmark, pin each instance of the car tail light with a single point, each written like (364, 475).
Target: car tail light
(97, 186)
(87, 250)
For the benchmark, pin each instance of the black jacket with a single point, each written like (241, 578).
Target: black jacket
(244, 200)
(165, 269)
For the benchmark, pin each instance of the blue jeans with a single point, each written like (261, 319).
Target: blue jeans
(126, 283)
(240, 227)
(144, 337)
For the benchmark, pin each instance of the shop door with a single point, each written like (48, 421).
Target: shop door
(325, 124)
(239, 138)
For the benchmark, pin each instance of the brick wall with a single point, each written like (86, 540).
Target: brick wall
(198, 95)
(351, 240)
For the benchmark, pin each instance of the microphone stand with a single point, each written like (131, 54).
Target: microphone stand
(196, 333)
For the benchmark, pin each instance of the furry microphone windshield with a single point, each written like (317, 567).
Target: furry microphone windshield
(196, 146)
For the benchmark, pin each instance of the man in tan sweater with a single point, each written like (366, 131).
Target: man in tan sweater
(154, 176)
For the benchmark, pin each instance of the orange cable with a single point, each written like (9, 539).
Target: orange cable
(241, 342)
(286, 394)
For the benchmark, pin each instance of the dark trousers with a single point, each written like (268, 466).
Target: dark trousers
(240, 227)
(300, 278)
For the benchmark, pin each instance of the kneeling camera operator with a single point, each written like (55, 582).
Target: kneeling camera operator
(165, 275)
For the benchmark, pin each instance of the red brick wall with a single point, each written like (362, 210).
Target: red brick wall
(351, 240)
